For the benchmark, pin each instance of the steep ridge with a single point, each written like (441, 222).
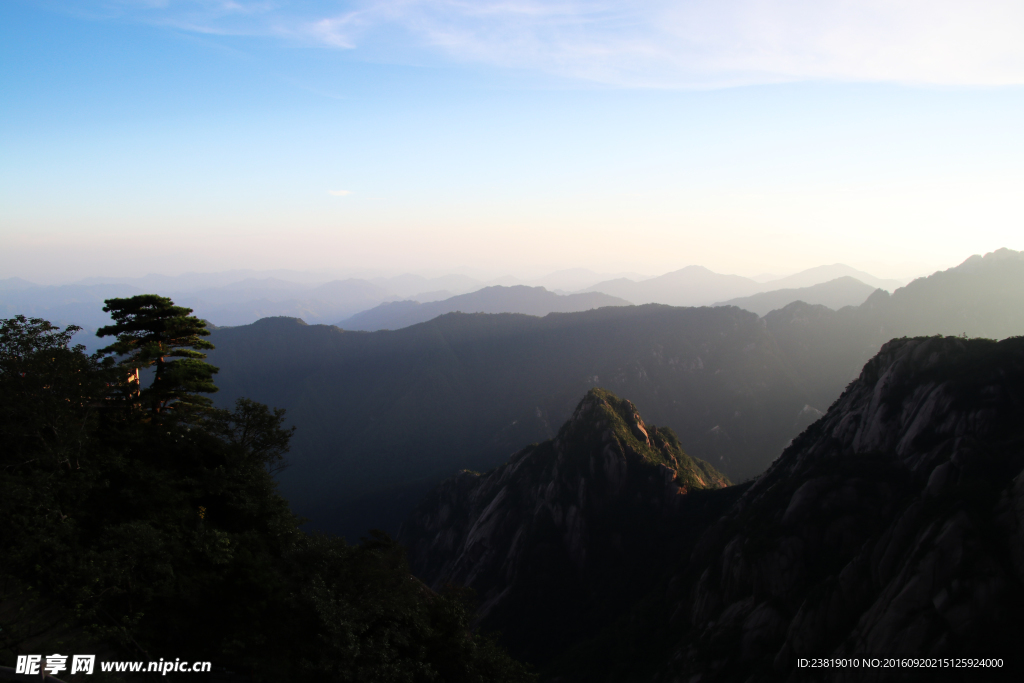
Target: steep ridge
(982, 297)
(892, 526)
(560, 538)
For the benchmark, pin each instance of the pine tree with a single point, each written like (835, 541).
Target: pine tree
(150, 329)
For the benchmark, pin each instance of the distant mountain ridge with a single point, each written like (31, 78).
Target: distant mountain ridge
(690, 286)
(15, 283)
(822, 274)
(981, 297)
(698, 286)
(835, 294)
(241, 297)
(497, 299)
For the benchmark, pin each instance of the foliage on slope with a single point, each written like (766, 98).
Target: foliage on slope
(145, 536)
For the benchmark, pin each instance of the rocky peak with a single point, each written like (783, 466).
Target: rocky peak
(920, 401)
(576, 514)
(605, 424)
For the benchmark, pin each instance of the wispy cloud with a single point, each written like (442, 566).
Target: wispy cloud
(658, 43)
(340, 193)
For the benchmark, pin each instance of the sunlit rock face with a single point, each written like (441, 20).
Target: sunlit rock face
(565, 528)
(893, 525)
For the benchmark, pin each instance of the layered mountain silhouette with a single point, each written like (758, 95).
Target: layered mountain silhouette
(690, 286)
(497, 299)
(385, 415)
(822, 274)
(982, 297)
(834, 294)
(892, 527)
(698, 286)
(11, 284)
(241, 297)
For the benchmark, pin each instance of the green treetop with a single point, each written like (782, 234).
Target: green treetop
(150, 329)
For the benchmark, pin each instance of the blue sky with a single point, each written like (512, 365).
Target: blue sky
(512, 137)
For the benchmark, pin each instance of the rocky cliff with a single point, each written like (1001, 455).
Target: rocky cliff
(565, 535)
(893, 526)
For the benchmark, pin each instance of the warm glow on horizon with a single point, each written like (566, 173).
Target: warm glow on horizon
(508, 138)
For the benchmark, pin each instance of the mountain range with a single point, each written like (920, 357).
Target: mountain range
(631, 492)
(698, 286)
(497, 299)
(834, 294)
(820, 274)
(241, 297)
(690, 286)
(384, 415)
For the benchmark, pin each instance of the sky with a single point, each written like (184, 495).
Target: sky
(507, 136)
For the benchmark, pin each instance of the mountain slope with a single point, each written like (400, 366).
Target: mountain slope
(559, 538)
(517, 299)
(894, 526)
(834, 294)
(982, 297)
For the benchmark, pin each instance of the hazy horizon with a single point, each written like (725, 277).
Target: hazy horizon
(507, 139)
(313, 277)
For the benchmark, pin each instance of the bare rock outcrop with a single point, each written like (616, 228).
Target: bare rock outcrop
(892, 526)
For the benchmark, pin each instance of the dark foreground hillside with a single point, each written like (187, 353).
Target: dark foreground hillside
(893, 526)
(141, 535)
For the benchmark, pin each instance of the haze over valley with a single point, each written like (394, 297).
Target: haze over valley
(239, 298)
(735, 386)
